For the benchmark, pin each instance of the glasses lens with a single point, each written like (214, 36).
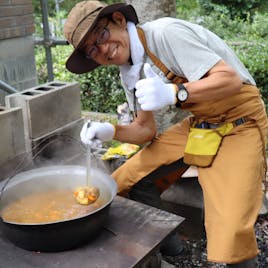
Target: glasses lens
(91, 52)
(103, 36)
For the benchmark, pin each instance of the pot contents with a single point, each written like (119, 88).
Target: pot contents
(86, 195)
(47, 207)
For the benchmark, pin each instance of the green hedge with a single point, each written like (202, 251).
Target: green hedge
(255, 58)
(101, 90)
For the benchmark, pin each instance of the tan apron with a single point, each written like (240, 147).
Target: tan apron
(232, 186)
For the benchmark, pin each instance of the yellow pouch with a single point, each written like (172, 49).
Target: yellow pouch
(203, 144)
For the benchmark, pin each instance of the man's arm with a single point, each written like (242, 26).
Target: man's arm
(140, 131)
(220, 81)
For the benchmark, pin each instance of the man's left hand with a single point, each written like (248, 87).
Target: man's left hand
(152, 93)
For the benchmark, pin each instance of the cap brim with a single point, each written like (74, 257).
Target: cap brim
(77, 62)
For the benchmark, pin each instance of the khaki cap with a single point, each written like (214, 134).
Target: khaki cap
(80, 21)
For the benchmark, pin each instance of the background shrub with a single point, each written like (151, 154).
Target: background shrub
(101, 90)
(104, 98)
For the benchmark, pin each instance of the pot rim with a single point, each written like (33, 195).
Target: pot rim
(58, 169)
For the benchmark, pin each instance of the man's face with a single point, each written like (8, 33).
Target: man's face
(108, 43)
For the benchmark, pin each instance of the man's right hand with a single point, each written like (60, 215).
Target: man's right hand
(152, 93)
(94, 133)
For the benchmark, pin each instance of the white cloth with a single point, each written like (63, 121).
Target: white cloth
(130, 74)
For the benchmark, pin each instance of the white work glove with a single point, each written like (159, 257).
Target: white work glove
(152, 93)
(94, 133)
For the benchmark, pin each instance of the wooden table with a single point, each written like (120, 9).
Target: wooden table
(133, 233)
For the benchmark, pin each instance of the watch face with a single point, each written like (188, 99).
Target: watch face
(182, 95)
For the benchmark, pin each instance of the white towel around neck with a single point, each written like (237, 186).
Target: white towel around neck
(130, 74)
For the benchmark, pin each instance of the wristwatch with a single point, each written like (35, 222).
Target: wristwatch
(182, 94)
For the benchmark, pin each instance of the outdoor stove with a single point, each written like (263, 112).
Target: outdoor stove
(51, 114)
(131, 238)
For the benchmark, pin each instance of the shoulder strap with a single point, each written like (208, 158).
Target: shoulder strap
(170, 75)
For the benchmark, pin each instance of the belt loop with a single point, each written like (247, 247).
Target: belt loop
(222, 118)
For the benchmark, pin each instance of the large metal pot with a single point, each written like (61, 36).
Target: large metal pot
(62, 235)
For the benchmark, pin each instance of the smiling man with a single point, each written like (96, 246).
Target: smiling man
(174, 62)
(100, 37)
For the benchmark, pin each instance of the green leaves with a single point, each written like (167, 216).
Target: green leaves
(101, 90)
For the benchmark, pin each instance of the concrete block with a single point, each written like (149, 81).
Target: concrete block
(185, 191)
(47, 107)
(12, 143)
(12, 136)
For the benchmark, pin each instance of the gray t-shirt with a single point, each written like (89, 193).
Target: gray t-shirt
(188, 50)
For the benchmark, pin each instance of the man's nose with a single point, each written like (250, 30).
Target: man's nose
(103, 48)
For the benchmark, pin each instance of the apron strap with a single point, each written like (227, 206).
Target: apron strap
(170, 75)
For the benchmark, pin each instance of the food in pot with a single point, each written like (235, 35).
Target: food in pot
(86, 195)
(46, 207)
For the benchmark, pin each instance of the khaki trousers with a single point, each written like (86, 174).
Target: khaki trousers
(232, 186)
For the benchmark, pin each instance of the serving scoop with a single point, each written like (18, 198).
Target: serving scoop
(88, 194)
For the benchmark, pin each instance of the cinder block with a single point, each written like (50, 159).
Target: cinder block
(12, 135)
(12, 143)
(185, 191)
(47, 107)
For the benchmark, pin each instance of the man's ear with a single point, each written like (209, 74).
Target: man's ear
(119, 18)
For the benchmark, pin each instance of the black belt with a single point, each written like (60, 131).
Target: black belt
(207, 125)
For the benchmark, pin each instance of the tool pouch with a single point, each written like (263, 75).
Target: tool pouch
(203, 144)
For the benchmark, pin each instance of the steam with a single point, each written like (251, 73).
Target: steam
(50, 151)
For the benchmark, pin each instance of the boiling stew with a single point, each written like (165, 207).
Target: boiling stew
(46, 207)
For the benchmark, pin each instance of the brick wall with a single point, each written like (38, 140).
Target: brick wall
(16, 18)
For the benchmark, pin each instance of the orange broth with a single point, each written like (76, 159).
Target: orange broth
(47, 207)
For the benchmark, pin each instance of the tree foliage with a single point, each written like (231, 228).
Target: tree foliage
(240, 8)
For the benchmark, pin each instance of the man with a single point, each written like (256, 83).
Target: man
(211, 83)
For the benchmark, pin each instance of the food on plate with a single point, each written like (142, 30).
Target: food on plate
(123, 150)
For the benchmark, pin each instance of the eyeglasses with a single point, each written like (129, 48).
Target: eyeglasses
(91, 51)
